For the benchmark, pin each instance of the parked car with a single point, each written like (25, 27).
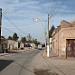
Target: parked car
(36, 47)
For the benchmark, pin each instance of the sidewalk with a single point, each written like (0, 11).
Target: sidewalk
(2, 54)
(13, 51)
(9, 52)
(53, 66)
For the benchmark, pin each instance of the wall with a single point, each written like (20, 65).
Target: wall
(12, 44)
(65, 31)
(21, 45)
(60, 40)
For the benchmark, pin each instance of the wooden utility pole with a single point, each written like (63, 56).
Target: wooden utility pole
(45, 53)
(45, 38)
(48, 48)
(0, 24)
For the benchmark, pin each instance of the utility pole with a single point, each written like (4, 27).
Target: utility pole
(48, 48)
(45, 53)
(45, 38)
(0, 24)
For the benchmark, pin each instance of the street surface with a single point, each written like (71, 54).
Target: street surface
(17, 63)
(32, 62)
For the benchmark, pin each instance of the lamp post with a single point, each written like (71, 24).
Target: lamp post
(45, 53)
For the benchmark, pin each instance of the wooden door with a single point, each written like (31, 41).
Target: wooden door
(70, 47)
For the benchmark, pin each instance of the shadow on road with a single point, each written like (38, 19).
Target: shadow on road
(4, 64)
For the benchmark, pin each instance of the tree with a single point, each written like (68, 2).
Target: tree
(2, 37)
(29, 38)
(15, 37)
(51, 31)
(23, 39)
(10, 38)
(35, 41)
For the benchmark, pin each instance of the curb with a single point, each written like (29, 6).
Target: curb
(2, 54)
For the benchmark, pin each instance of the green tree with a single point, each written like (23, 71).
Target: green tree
(51, 31)
(15, 37)
(23, 39)
(10, 38)
(35, 41)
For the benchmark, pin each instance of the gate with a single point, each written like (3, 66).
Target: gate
(70, 43)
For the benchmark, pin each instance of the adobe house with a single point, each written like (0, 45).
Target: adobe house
(9, 44)
(21, 45)
(63, 39)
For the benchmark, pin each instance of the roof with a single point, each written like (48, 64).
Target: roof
(63, 24)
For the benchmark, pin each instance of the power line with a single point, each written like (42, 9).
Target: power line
(13, 24)
(55, 5)
(59, 2)
(12, 32)
(50, 13)
(15, 27)
(20, 35)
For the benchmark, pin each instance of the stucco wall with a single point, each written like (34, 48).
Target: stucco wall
(60, 40)
(12, 44)
(21, 45)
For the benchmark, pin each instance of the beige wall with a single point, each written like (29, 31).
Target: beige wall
(12, 44)
(60, 40)
(21, 45)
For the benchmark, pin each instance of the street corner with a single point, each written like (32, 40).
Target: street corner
(44, 72)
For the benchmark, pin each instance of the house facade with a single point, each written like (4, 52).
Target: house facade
(12, 44)
(50, 44)
(9, 44)
(32, 45)
(63, 39)
(21, 45)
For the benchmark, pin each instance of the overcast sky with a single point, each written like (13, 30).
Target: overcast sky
(22, 12)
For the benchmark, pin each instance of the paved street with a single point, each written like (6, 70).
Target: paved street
(32, 62)
(17, 63)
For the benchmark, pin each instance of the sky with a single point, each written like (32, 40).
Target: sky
(17, 16)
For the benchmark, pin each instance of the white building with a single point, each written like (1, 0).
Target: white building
(50, 43)
(21, 45)
(12, 44)
(32, 44)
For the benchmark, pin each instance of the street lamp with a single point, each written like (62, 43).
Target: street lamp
(45, 53)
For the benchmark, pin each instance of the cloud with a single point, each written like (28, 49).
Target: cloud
(48, 4)
(21, 13)
(13, 5)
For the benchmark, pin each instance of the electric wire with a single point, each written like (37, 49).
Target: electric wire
(14, 25)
